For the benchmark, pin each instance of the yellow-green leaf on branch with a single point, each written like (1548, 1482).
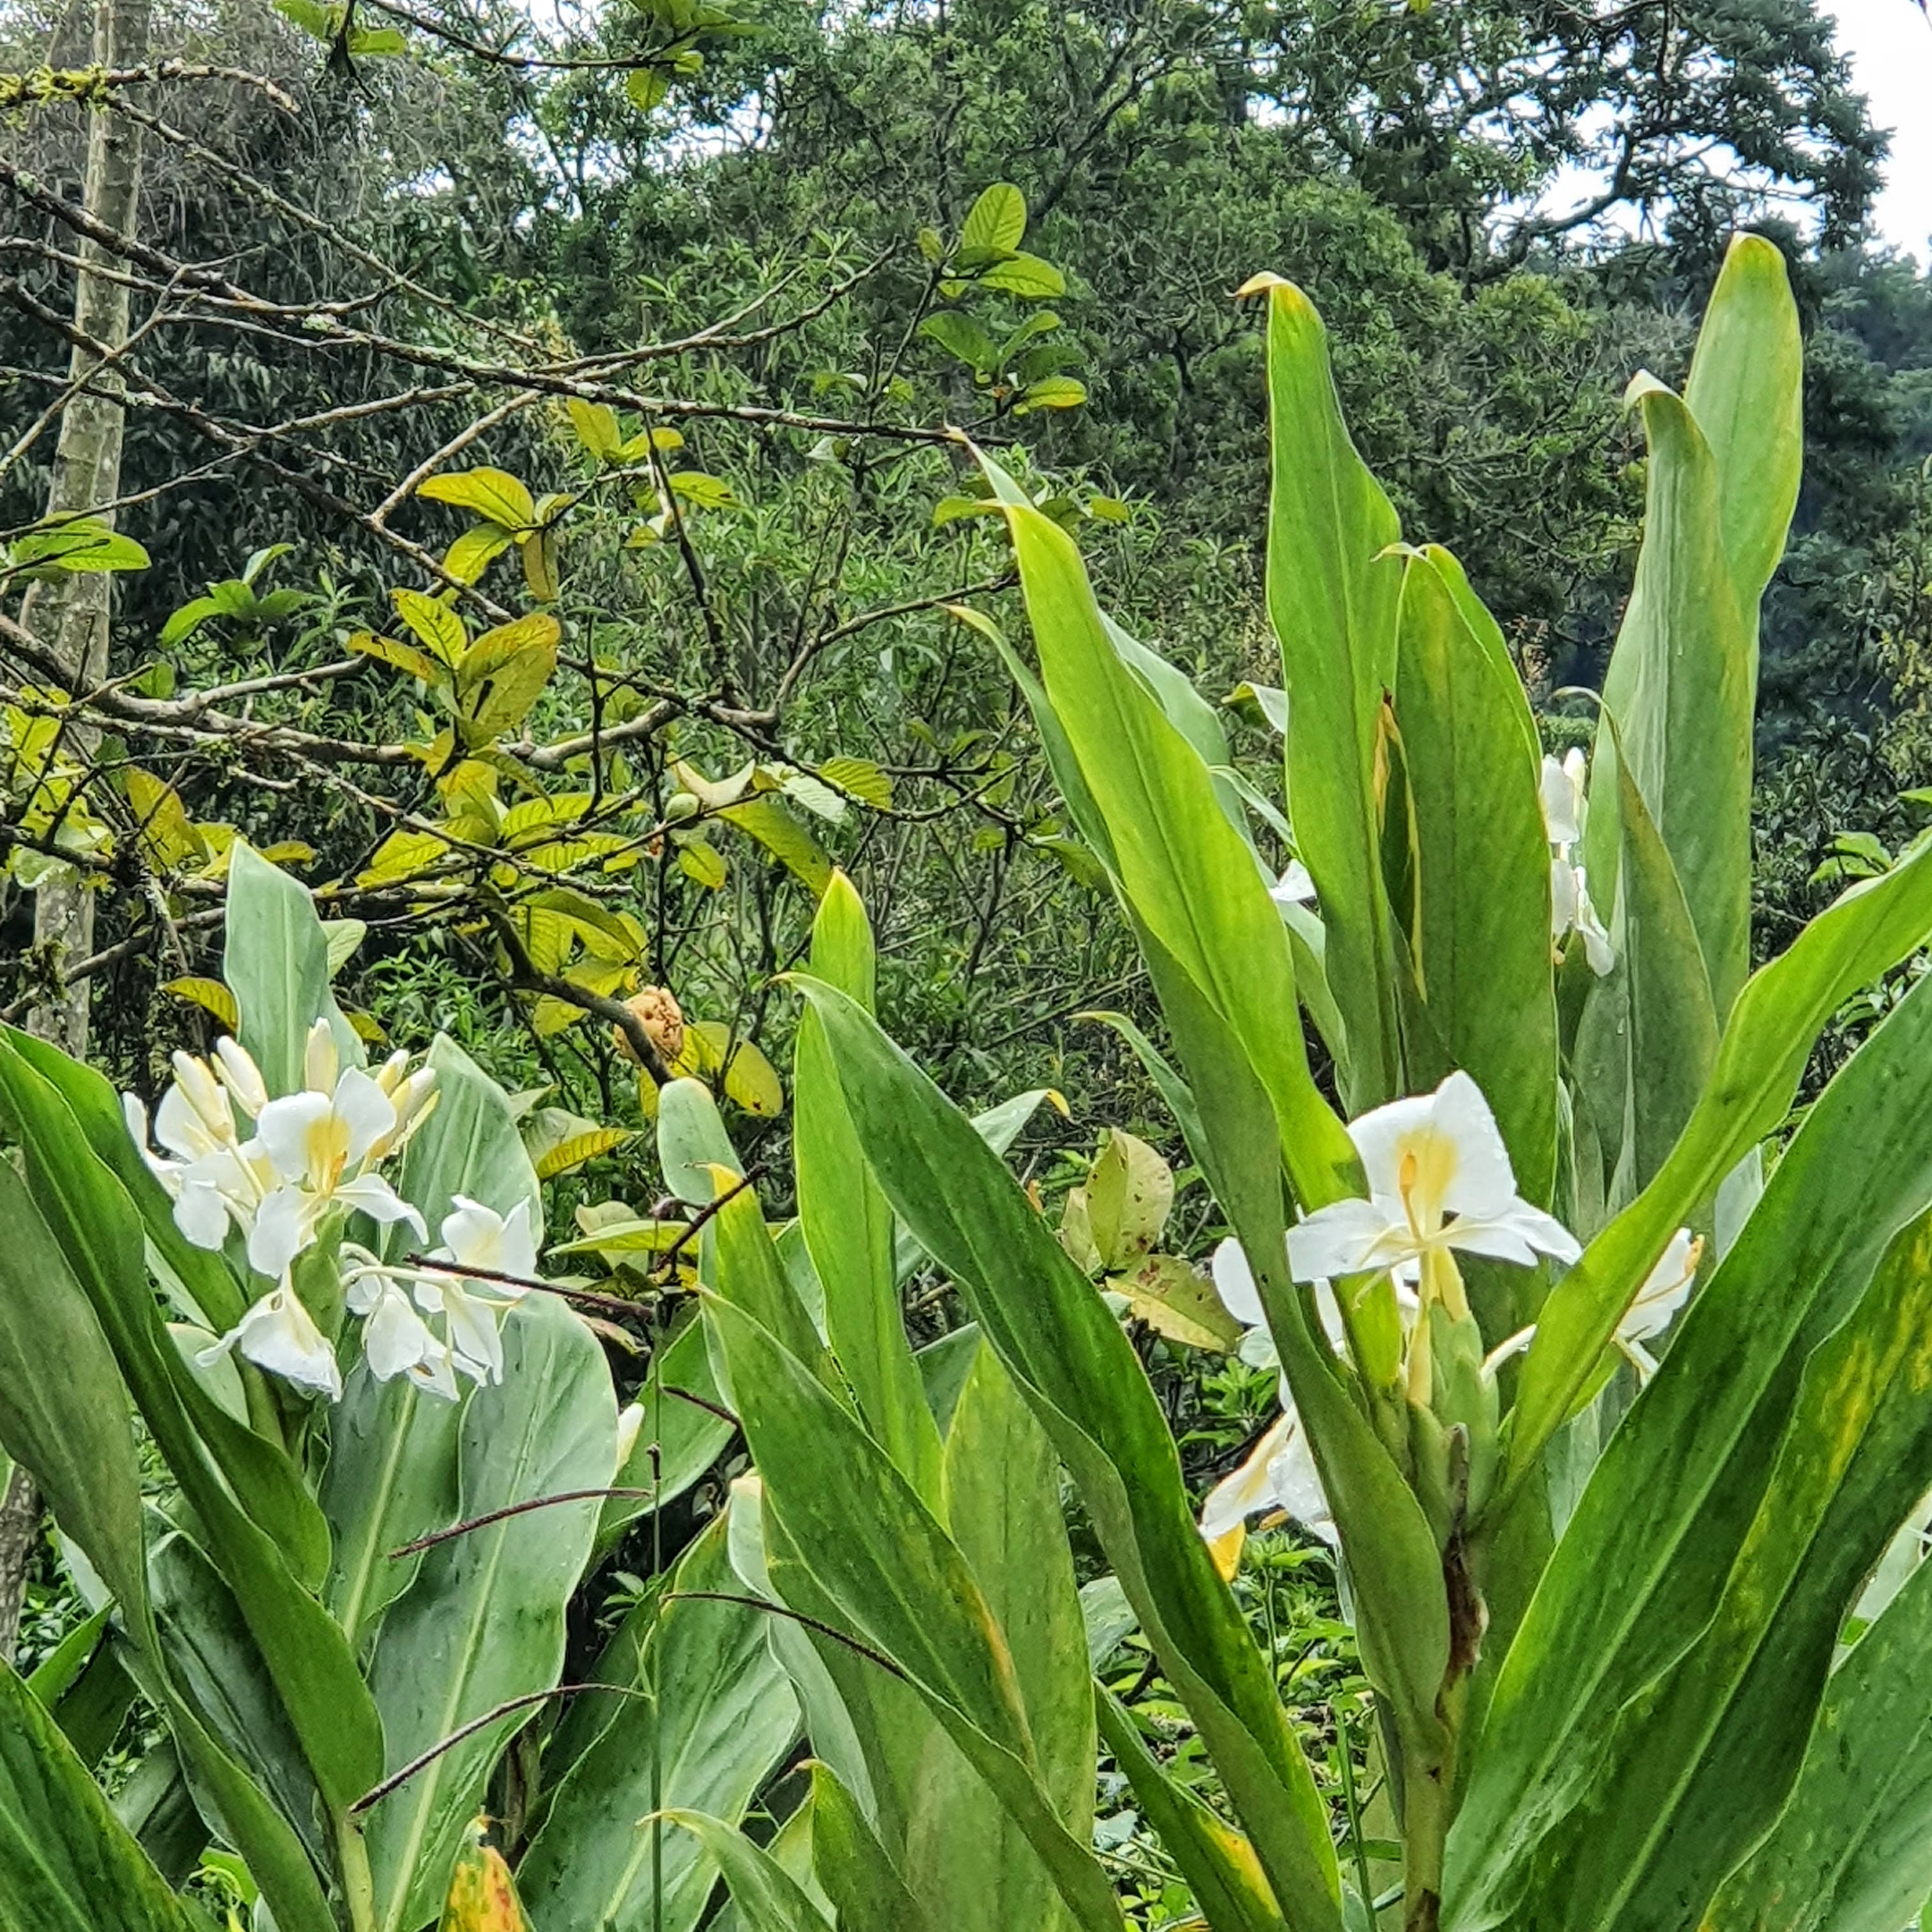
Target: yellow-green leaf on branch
(494, 495)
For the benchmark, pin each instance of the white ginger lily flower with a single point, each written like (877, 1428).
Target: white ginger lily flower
(1561, 790)
(214, 1177)
(315, 1142)
(279, 1335)
(1665, 1290)
(396, 1340)
(1439, 1178)
(1234, 1284)
(478, 1237)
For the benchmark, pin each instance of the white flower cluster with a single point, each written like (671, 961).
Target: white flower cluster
(1561, 792)
(277, 1170)
(1440, 1180)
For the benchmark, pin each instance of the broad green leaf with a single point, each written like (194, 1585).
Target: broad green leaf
(1484, 962)
(276, 964)
(865, 1886)
(767, 820)
(503, 673)
(1761, 1058)
(748, 1272)
(469, 1145)
(436, 625)
(1695, 1767)
(901, 1586)
(1001, 1502)
(1067, 1354)
(1187, 873)
(997, 219)
(390, 1478)
(1746, 389)
(958, 333)
(678, 1440)
(82, 544)
(214, 1664)
(447, 1652)
(1025, 275)
(67, 1863)
(492, 494)
(211, 995)
(1682, 685)
(766, 1897)
(597, 428)
(1218, 1863)
(692, 1144)
(1332, 598)
(1676, 1510)
(1852, 1850)
(718, 1717)
(399, 656)
(63, 1406)
(847, 1222)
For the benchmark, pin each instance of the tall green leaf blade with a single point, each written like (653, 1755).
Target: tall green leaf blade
(1747, 390)
(1069, 1356)
(863, 1884)
(901, 1586)
(717, 1718)
(1001, 1502)
(1761, 1058)
(1852, 1851)
(67, 1863)
(767, 1898)
(1332, 598)
(276, 964)
(1672, 1503)
(1188, 874)
(390, 1478)
(848, 1225)
(1484, 859)
(484, 1622)
(1682, 685)
(1687, 1774)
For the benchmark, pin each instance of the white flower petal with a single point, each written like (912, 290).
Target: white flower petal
(1296, 886)
(319, 1058)
(477, 1237)
(1238, 1496)
(1665, 1290)
(1518, 1233)
(200, 1213)
(366, 1112)
(242, 1076)
(1296, 1485)
(1560, 789)
(471, 1325)
(371, 1195)
(1383, 1134)
(1235, 1283)
(289, 1129)
(1481, 1180)
(1562, 899)
(279, 1334)
(395, 1338)
(284, 1225)
(180, 1129)
(1597, 947)
(1347, 1237)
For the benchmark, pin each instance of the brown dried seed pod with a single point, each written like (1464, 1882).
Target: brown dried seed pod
(663, 1023)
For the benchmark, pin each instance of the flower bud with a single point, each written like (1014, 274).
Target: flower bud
(321, 1063)
(204, 1093)
(389, 1074)
(240, 1075)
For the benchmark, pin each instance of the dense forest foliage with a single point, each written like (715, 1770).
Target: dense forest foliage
(556, 545)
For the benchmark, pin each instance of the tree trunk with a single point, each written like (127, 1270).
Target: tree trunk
(71, 613)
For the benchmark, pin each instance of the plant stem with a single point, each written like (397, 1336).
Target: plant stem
(359, 1883)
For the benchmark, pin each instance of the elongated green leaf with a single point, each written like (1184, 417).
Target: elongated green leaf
(63, 1407)
(1188, 874)
(1682, 685)
(67, 1863)
(1332, 599)
(1484, 860)
(692, 1141)
(276, 964)
(1679, 1497)
(1852, 1852)
(469, 1145)
(766, 1897)
(863, 1884)
(99, 1232)
(1070, 1358)
(483, 1623)
(847, 1224)
(1761, 1058)
(1692, 1770)
(1217, 1862)
(214, 1663)
(1747, 390)
(720, 1716)
(1001, 1502)
(748, 1274)
(391, 1477)
(901, 1586)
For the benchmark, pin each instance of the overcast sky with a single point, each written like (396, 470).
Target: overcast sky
(1890, 44)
